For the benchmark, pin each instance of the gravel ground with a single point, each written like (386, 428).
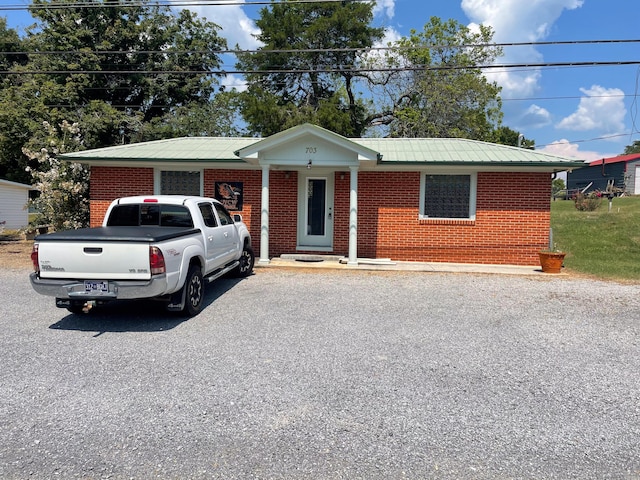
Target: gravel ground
(324, 375)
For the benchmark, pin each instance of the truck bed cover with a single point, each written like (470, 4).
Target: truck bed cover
(143, 234)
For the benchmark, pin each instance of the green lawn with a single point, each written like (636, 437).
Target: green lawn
(600, 243)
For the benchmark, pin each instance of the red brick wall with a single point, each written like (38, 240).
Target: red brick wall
(109, 183)
(511, 225)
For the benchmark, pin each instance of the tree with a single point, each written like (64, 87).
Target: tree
(116, 70)
(11, 47)
(439, 89)
(312, 79)
(557, 185)
(506, 136)
(218, 117)
(633, 148)
(139, 58)
(62, 186)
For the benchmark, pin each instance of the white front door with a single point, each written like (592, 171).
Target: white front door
(315, 211)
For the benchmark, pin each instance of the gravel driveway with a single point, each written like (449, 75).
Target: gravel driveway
(326, 375)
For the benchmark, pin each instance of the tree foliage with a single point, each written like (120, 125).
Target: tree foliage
(633, 148)
(507, 136)
(123, 56)
(117, 70)
(439, 90)
(316, 85)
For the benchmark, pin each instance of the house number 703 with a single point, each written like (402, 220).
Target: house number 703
(312, 149)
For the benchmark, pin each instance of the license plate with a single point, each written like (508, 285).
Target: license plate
(92, 286)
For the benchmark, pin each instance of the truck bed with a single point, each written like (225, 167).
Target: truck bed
(146, 234)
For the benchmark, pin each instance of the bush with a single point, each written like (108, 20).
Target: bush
(588, 202)
(62, 202)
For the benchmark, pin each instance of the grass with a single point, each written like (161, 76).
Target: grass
(600, 243)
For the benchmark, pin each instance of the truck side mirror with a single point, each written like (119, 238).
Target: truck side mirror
(237, 218)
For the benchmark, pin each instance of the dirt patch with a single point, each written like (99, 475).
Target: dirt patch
(15, 253)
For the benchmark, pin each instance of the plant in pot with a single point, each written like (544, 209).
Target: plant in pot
(551, 260)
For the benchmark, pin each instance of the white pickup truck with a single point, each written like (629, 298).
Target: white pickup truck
(162, 247)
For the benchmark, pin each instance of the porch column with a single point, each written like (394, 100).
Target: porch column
(264, 218)
(353, 217)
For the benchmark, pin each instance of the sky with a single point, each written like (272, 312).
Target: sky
(581, 112)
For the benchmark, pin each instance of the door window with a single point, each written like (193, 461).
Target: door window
(316, 205)
(225, 217)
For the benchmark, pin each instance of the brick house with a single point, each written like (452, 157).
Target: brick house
(310, 190)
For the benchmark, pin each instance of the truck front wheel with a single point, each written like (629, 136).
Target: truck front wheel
(194, 294)
(247, 260)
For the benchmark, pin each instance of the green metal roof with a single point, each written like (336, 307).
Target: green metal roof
(393, 151)
(190, 149)
(447, 151)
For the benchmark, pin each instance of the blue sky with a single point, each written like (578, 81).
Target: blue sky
(579, 112)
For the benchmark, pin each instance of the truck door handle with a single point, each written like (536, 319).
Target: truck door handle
(210, 239)
(226, 234)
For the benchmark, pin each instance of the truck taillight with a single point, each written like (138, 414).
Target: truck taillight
(156, 260)
(34, 258)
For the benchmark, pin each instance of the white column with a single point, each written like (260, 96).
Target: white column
(353, 218)
(264, 218)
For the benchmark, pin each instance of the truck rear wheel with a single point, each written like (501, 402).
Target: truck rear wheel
(194, 293)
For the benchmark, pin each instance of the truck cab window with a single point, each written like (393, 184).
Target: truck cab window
(207, 215)
(225, 217)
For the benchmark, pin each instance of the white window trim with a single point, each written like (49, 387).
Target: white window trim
(473, 187)
(157, 177)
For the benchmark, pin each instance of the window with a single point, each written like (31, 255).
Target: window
(207, 214)
(179, 183)
(152, 214)
(448, 196)
(225, 217)
(175, 216)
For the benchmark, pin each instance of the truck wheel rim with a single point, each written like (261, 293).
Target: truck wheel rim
(245, 261)
(195, 291)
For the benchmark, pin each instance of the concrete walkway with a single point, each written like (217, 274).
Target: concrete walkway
(338, 262)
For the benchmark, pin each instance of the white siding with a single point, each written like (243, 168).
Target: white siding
(13, 202)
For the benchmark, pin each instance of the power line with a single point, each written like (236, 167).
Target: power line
(346, 69)
(164, 3)
(322, 50)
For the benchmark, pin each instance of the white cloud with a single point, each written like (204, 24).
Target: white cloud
(518, 21)
(231, 82)
(237, 27)
(601, 108)
(385, 6)
(377, 57)
(565, 148)
(534, 117)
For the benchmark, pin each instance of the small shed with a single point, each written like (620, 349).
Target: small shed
(13, 204)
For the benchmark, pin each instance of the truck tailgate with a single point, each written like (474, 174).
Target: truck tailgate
(94, 260)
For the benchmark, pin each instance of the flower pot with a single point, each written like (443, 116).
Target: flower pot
(551, 262)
